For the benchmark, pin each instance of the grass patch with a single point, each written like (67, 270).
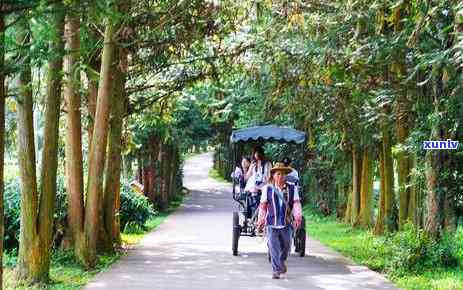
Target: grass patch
(65, 273)
(214, 174)
(376, 252)
(134, 237)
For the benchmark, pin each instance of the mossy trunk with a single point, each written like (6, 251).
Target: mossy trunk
(348, 215)
(97, 154)
(379, 225)
(356, 182)
(92, 95)
(152, 191)
(35, 239)
(28, 264)
(50, 148)
(113, 166)
(403, 108)
(163, 201)
(389, 194)
(435, 162)
(366, 190)
(73, 144)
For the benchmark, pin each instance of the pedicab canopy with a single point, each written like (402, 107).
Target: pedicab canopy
(268, 133)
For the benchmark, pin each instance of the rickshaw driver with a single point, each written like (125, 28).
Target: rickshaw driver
(279, 203)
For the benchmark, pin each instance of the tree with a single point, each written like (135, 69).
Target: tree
(73, 144)
(37, 203)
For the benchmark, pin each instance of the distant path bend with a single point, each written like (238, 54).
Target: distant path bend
(191, 250)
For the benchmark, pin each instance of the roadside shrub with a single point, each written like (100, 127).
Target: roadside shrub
(459, 244)
(413, 251)
(135, 209)
(12, 212)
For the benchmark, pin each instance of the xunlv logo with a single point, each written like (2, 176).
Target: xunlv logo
(440, 145)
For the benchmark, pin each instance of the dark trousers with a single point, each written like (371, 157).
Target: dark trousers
(279, 244)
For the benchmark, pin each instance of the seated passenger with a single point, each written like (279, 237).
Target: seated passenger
(259, 172)
(240, 172)
(257, 177)
(293, 176)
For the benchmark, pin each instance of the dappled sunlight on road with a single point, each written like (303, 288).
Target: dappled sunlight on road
(192, 250)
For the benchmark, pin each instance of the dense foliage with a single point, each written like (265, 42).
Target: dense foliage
(130, 87)
(135, 209)
(368, 82)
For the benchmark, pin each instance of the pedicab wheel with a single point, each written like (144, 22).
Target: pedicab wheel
(236, 233)
(300, 239)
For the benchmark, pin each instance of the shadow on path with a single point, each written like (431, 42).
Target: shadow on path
(192, 250)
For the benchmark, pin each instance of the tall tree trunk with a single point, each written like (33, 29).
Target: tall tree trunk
(162, 176)
(37, 214)
(366, 190)
(435, 165)
(113, 167)
(356, 181)
(348, 215)
(168, 170)
(173, 171)
(92, 96)
(50, 148)
(28, 258)
(379, 225)
(435, 198)
(73, 147)
(154, 176)
(402, 108)
(389, 195)
(2, 136)
(98, 147)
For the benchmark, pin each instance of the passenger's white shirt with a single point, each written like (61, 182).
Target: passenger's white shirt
(251, 183)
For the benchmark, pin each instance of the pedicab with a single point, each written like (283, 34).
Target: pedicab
(245, 218)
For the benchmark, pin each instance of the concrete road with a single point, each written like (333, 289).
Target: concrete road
(192, 250)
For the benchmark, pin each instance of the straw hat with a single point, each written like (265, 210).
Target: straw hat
(280, 166)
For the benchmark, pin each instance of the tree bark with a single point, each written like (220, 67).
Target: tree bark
(434, 161)
(92, 97)
(113, 168)
(73, 147)
(28, 263)
(434, 201)
(366, 190)
(168, 171)
(173, 171)
(389, 195)
(152, 190)
(50, 149)
(98, 146)
(163, 201)
(379, 225)
(403, 107)
(356, 181)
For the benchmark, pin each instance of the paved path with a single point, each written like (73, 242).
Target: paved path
(192, 250)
